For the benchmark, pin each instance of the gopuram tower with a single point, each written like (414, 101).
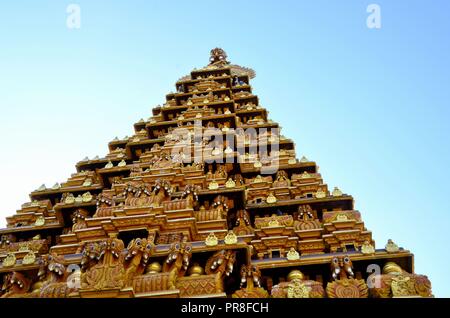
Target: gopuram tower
(206, 199)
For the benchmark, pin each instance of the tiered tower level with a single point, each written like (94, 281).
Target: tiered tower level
(206, 199)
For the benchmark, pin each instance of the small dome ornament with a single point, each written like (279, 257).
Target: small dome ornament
(392, 268)
(292, 161)
(305, 175)
(24, 247)
(367, 248)
(304, 160)
(87, 197)
(153, 268)
(70, 199)
(216, 151)
(257, 164)
(56, 186)
(213, 185)
(29, 259)
(230, 238)
(9, 260)
(79, 199)
(320, 194)
(337, 192)
(271, 198)
(295, 275)
(341, 217)
(109, 165)
(122, 163)
(211, 240)
(40, 221)
(42, 188)
(87, 182)
(230, 183)
(195, 270)
(391, 247)
(293, 255)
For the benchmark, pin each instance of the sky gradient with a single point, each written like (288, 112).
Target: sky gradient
(370, 106)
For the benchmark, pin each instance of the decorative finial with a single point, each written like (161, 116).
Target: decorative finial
(218, 55)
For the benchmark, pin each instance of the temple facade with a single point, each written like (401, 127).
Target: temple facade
(206, 199)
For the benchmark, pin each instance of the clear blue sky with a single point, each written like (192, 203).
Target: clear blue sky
(371, 106)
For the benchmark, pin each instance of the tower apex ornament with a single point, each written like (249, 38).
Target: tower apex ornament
(218, 55)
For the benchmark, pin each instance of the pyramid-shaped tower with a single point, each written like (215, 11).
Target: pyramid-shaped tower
(206, 199)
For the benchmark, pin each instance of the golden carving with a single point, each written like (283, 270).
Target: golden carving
(298, 290)
(251, 279)
(395, 282)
